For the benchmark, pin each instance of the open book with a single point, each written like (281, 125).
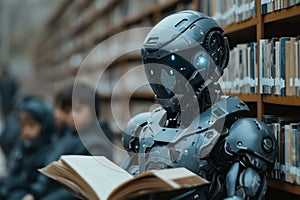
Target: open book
(95, 177)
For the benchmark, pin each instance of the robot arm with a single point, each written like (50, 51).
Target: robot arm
(253, 146)
(130, 140)
(245, 183)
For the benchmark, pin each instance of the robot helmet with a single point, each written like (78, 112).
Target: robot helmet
(185, 48)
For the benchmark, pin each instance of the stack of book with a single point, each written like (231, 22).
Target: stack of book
(241, 74)
(229, 11)
(287, 133)
(280, 66)
(268, 6)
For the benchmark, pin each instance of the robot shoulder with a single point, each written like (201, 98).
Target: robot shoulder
(253, 137)
(131, 131)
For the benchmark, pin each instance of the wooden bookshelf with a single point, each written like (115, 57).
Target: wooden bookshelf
(282, 100)
(282, 14)
(246, 97)
(91, 18)
(240, 26)
(288, 187)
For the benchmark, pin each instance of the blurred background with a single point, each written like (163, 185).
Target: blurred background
(21, 23)
(43, 43)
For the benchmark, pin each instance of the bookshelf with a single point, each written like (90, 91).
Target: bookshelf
(281, 100)
(284, 186)
(247, 97)
(77, 27)
(282, 14)
(240, 26)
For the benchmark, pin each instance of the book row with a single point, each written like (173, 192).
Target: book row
(228, 12)
(279, 61)
(268, 6)
(240, 77)
(287, 133)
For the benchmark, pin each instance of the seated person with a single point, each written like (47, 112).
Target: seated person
(64, 141)
(11, 130)
(83, 118)
(36, 126)
(67, 141)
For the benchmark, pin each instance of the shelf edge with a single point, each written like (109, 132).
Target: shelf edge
(282, 14)
(295, 189)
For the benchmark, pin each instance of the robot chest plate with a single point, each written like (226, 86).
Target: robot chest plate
(175, 148)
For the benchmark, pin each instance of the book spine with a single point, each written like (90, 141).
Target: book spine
(277, 68)
(292, 67)
(255, 67)
(293, 161)
(252, 68)
(298, 155)
(283, 49)
(261, 64)
(277, 169)
(287, 68)
(272, 64)
(287, 147)
(268, 68)
(279, 162)
(282, 151)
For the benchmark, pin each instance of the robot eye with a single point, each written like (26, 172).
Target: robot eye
(201, 60)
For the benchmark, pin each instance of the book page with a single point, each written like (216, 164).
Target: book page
(180, 177)
(100, 173)
(154, 181)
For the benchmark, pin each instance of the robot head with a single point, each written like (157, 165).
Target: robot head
(184, 53)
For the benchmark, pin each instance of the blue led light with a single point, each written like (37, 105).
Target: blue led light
(201, 60)
(172, 57)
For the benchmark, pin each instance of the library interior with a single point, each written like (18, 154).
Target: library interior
(76, 79)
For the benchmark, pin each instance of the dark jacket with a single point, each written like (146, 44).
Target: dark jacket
(11, 131)
(29, 155)
(23, 162)
(63, 142)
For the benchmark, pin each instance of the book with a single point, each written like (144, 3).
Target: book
(288, 91)
(95, 177)
(283, 41)
(277, 67)
(292, 66)
(287, 134)
(241, 74)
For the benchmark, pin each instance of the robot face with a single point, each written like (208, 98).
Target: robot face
(178, 73)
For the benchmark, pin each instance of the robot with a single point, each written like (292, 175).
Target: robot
(196, 126)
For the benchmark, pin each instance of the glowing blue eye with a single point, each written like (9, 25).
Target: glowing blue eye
(172, 57)
(201, 60)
